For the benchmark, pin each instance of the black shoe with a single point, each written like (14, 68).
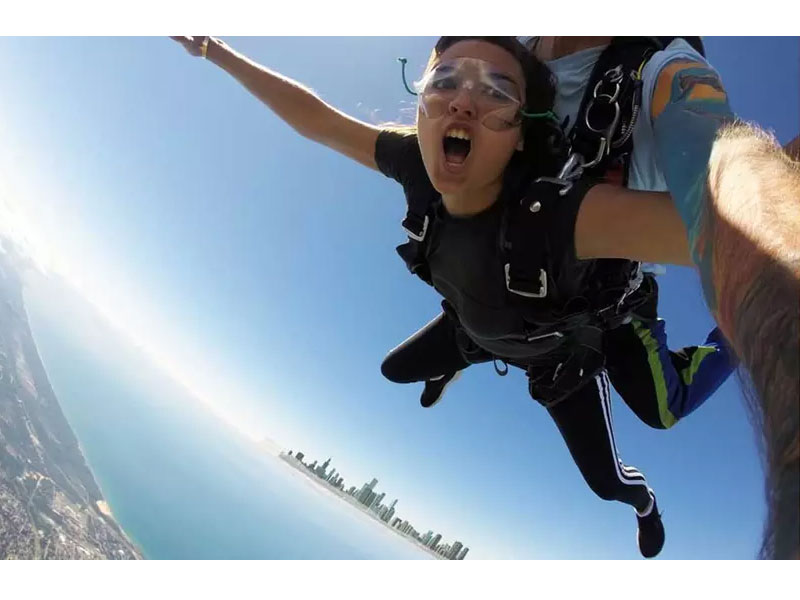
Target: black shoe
(650, 536)
(434, 389)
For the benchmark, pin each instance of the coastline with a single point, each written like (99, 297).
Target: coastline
(102, 506)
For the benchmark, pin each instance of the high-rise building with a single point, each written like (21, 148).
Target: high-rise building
(368, 498)
(391, 512)
(300, 456)
(455, 550)
(290, 452)
(435, 541)
(463, 553)
(366, 490)
(427, 537)
(375, 504)
(352, 490)
(396, 522)
(321, 470)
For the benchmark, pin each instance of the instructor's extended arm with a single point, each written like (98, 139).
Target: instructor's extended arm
(615, 222)
(738, 193)
(297, 105)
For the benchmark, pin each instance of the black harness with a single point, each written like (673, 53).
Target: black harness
(568, 302)
(602, 135)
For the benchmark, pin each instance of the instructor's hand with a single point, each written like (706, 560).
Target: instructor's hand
(192, 43)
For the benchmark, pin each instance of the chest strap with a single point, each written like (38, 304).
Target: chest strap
(417, 225)
(523, 237)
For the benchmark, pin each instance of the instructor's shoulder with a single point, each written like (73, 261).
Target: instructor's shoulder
(679, 71)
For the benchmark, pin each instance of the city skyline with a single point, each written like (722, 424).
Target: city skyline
(371, 503)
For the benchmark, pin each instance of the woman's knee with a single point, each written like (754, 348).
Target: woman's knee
(392, 369)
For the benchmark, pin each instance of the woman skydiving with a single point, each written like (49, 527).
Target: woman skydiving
(484, 134)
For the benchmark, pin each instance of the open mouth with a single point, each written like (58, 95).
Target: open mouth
(457, 143)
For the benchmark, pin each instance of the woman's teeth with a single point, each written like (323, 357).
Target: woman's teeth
(459, 134)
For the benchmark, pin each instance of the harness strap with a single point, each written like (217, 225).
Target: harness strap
(603, 130)
(524, 239)
(419, 214)
(538, 241)
(551, 384)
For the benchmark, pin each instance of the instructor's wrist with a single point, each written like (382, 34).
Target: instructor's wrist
(214, 49)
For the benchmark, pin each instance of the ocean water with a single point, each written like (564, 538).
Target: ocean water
(181, 484)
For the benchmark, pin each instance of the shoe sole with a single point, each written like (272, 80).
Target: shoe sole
(444, 389)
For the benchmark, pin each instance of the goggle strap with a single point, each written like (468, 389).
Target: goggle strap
(403, 62)
(549, 115)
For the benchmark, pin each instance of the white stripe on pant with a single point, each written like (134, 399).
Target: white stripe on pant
(628, 475)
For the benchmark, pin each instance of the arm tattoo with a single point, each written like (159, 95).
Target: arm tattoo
(689, 108)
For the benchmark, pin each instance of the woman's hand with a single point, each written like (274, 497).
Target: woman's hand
(193, 43)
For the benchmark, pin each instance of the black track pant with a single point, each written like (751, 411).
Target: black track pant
(431, 352)
(584, 419)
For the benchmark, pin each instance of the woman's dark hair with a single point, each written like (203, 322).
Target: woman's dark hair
(544, 143)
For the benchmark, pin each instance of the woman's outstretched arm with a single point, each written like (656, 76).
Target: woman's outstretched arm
(296, 104)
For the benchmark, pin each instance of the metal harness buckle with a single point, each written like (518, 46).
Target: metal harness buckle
(570, 172)
(542, 284)
(418, 237)
(613, 77)
(610, 312)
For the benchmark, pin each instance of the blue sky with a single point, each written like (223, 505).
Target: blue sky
(260, 269)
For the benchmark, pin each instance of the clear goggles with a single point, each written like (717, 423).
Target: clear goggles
(493, 95)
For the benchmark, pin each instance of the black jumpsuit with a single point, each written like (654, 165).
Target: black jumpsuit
(466, 268)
